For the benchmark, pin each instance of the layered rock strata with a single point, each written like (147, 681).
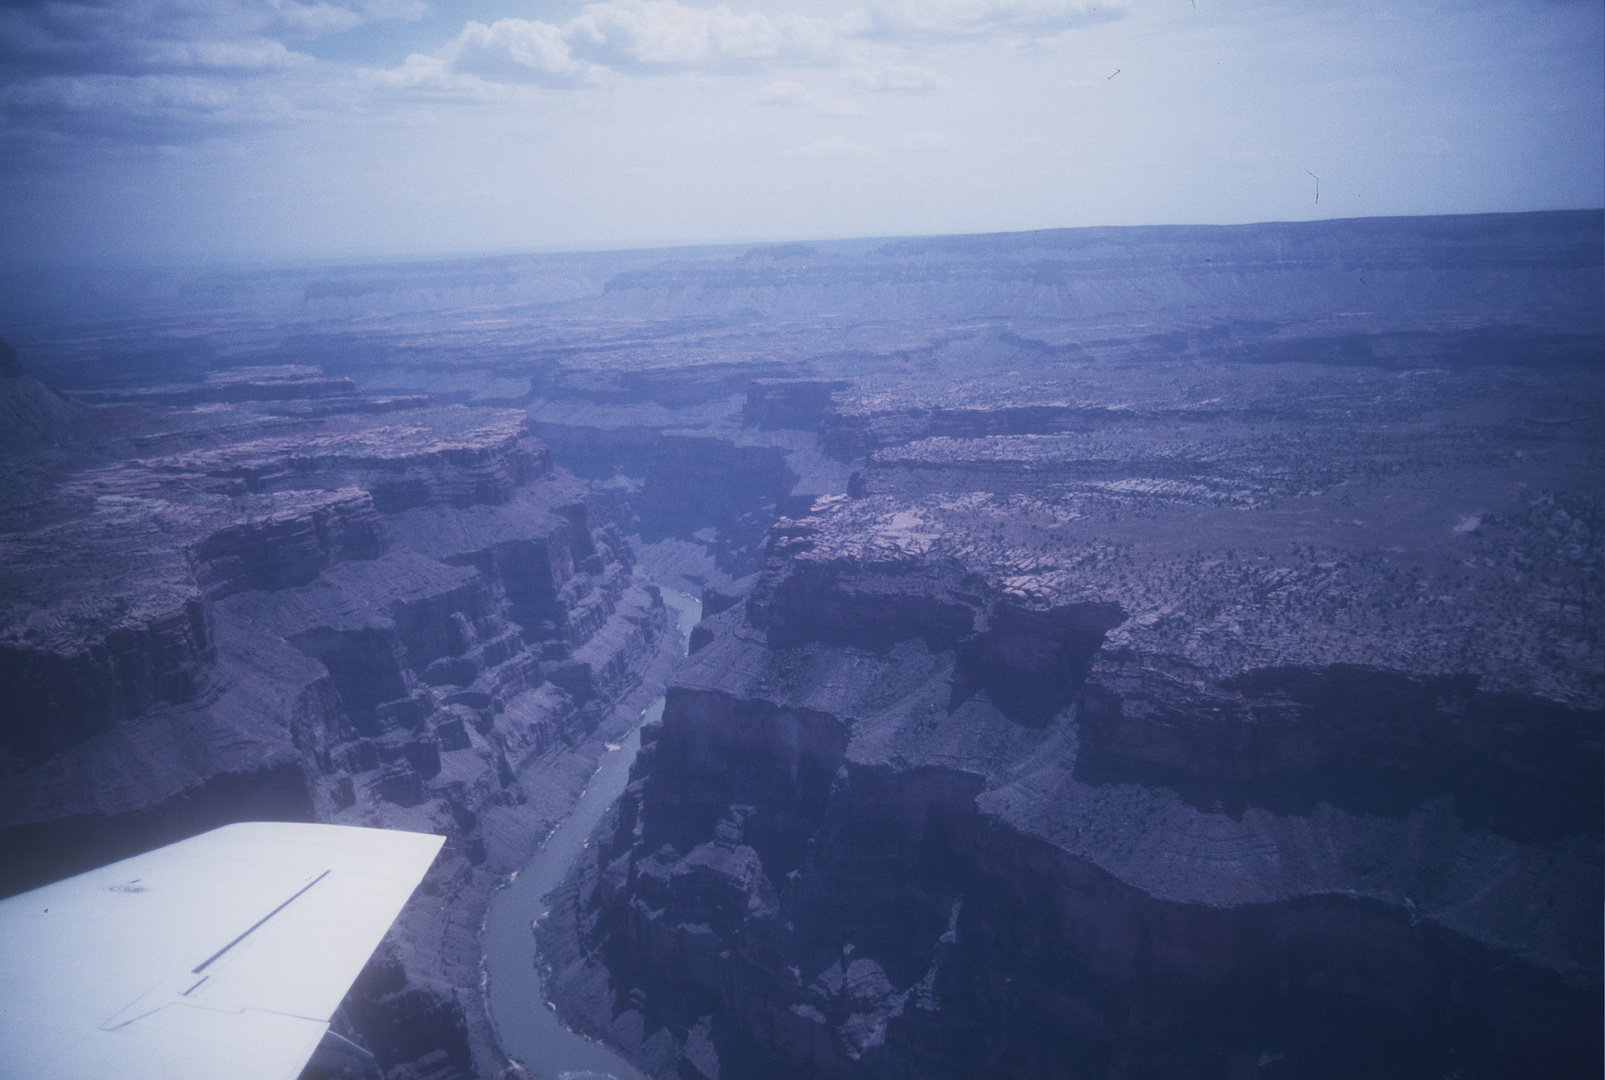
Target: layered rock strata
(397, 618)
(1281, 541)
(932, 805)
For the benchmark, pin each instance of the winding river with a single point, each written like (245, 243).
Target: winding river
(527, 1029)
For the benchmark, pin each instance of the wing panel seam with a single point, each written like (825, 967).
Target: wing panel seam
(257, 925)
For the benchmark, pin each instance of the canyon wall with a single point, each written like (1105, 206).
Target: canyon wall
(1221, 705)
(1126, 652)
(363, 614)
(952, 795)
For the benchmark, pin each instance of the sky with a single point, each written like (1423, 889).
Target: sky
(151, 131)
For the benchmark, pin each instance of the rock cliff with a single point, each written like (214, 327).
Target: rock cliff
(242, 607)
(927, 805)
(1179, 723)
(1143, 652)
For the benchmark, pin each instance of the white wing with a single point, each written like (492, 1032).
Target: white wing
(224, 955)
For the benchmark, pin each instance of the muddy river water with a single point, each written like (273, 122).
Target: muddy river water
(527, 1028)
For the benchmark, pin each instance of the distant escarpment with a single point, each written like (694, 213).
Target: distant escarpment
(714, 390)
(243, 607)
(1510, 267)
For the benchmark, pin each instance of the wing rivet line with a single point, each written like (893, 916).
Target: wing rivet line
(208, 961)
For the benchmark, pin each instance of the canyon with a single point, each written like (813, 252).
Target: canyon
(1124, 652)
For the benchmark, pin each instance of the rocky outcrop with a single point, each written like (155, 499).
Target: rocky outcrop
(286, 383)
(862, 425)
(378, 617)
(938, 802)
(455, 456)
(799, 404)
(36, 420)
(79, 654)
(718, 486)
(694, 481)
(10, 363)
(1180, 656)
(294, 540)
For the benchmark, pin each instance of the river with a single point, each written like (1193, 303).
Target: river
(527, 1029)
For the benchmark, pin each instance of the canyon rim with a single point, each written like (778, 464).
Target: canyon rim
(1166, 651)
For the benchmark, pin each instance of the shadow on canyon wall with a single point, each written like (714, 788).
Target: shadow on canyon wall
(1133, 652)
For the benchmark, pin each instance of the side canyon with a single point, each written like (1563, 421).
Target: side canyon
(1124, 652)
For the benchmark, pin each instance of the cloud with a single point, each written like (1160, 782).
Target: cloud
(783, 92)
(908, 78)
(922, 141)
(831, 146)
(117, 67)
(974, 18)
(159, 109)
(788, 94)
(642, 37)
(257, 55)
(130, 37)
(660, 37)
(75, 65)
(660, 34)
(513, 50)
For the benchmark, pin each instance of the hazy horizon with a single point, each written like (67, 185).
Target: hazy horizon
(247, 261)
(223, 131)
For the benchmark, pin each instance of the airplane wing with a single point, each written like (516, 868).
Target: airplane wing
(224, 955)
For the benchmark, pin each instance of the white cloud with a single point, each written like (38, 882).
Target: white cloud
(646, 37)
(919, 141)
(648, 34)
(909, 78)
(258, 55)
(427, 155)
(513, 50)
(783, 92)
(978, 17)
(417, 71)
(831, 146)
(641, 37)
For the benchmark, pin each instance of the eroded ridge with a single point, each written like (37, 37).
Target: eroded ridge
(270, 597)
(971, 784)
